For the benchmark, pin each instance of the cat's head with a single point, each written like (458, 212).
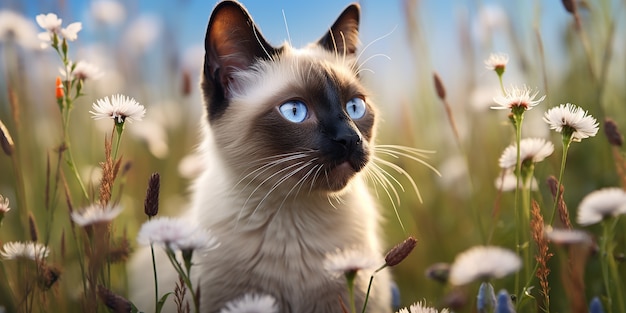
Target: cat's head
(286, 116)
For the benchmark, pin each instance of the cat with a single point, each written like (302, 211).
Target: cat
(288, 139)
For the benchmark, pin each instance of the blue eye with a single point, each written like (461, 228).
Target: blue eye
(294, 111)
(355, 108)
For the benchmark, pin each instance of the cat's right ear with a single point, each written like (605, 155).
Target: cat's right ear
(232, 43)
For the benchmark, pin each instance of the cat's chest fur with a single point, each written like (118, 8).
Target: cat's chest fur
(282, 252)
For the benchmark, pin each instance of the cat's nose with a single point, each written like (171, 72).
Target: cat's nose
(349, 139)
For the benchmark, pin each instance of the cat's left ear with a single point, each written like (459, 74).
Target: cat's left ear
(233, 43)
(343, 36)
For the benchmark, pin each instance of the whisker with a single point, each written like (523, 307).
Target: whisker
(277, 184)
(358, 57)
(403, 172)
(411, 153)
(287, 28)
(362, 64)
(384, 176)
(382, 180)
(259, 171)
(261, 184)
(364, 70)
(317, 173)
(298, 183)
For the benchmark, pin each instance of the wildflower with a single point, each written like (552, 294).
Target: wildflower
(438, 272)
(486, 299)
(81, 70)
(15, 27)
(95, 214)
(419, 307)
(504, 303)
(567, 236)
(595, 306)
(24, 250)
(59, 91)
(114, 302)
(571, 121)
(151, 203)
(483, 263)
(71, 31)
(251, 303)
(612, 133)
(497, 62)
(52, 24)
(120, 108)
(175, 234)
(346, 261)
(531, 149)
(398, 253)
(4, 205)
(439, 87)
(600, 204)
(517, 99)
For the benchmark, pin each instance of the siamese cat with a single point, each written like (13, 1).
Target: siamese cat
(288, 142)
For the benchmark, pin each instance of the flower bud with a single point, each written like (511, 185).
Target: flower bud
(398, 253)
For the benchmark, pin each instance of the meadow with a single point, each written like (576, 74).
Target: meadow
(60, 160)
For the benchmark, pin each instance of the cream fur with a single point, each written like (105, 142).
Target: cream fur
(271, 242)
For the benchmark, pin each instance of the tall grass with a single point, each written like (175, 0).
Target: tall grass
(462, 209)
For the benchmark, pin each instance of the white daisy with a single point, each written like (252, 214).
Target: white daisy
(24, 250)
(350, 260)
(251, 303)
(120, 108)
(4, 205)
(600, 204)
(419, 307)
(175, 234)
(49, 22)
(532, 149)
(82, 70)
(517, 98)
(569, 118)
(16, 27)
(497, 61)
(52, 24)
(95, 214)
(71, 31)
(567, 236)
(483, 263)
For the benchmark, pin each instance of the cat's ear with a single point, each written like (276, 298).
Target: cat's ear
(232, 43)
(343, 36)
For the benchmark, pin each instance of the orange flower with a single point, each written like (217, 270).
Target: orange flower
(59, 88)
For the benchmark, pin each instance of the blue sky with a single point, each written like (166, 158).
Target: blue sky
(440, 26)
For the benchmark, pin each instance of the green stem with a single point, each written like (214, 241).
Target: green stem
(156, 281)
(526, 188)
(606, 252)
(172, 257)
(501, 84)
(367, 295)
(566, 142)
(351, 296)
(119, 127)
(518, 118)
(66, 143)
